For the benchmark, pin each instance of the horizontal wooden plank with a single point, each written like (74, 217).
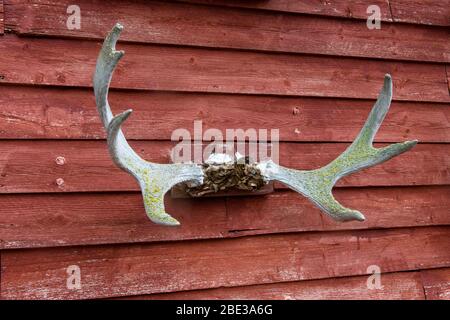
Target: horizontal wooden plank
(46, 220)
(54, 113)
(169, 267)
(211, 26)
(401, 285)
(383, 208)
(83, 219)
(432, 12)
(349, 9)
(31, 166)
(72, 63)
(436, 283)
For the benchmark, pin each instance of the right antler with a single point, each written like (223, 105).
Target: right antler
(317, 184)
(154, 179)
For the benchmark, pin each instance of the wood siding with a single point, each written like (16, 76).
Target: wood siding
(311, 69)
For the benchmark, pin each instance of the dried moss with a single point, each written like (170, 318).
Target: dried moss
(220, 177)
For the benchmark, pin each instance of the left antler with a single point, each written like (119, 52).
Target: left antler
(317, 184)
(154, 179)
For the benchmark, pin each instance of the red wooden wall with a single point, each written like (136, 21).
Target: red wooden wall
(310, 68)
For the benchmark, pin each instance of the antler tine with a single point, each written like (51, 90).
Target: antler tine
(317, 184)
(154, 179)
(106, 63)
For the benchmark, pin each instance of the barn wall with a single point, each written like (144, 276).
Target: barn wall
(313, 71)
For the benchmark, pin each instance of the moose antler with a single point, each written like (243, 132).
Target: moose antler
(317, 184)
(156, 179)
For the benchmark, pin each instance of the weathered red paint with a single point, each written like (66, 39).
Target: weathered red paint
(236, 64)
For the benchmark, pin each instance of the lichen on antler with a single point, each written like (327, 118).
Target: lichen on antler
(154, 179)
(317, 184)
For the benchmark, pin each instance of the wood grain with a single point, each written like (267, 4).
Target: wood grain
(72, 63)
(86, 219)
(383, 207)
(212, 26)
(401, 285)
(47, 220)
(349, 9)
(126, 270)
(55, 113)
(30, 166)
(430, 12)
(436, 283)
(310, 69)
